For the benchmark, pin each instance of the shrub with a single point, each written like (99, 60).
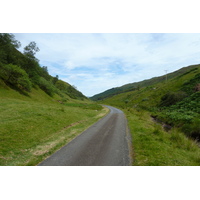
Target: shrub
(61, 85)
(192, 129)
(172, 98)
(46, 86)
(15, 76)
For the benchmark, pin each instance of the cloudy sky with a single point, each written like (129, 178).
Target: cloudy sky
(97, 62)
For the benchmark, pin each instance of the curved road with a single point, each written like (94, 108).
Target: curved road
(106, 143)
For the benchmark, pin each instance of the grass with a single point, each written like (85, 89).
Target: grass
(32, 128)
(152, 146)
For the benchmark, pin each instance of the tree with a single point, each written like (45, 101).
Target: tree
(9, 39)
(44, 73)
(61, 85)
(8, 43)
(55, 79)
(31, 64)
(15, 76)
(30, 50)
(46, 86)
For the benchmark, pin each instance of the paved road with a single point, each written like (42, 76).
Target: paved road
(103, 144)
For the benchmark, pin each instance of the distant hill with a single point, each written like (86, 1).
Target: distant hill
(175, 101)
(139, 85)
(22, 72)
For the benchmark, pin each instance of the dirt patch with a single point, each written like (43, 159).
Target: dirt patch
(45, 148)
(105, 111)
(61, 135)
(74, 124)
(42, 149)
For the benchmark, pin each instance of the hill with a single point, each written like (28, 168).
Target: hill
(164, 118)
(22, 72)
(39, 113)
(175, 101)
(138, 85)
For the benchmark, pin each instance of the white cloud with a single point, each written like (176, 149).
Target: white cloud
(69, 65)
(96, 62)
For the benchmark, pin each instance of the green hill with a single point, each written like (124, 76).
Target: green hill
(158, 105)
(22, 72)
(175, 101)
(138, 85)
(39, 113)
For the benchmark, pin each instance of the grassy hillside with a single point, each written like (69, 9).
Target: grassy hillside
(22, 71)
(175, 104)
(138, 85)
(38, 113)
(32, 128)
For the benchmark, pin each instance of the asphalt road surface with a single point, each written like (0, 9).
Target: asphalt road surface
(106, 143)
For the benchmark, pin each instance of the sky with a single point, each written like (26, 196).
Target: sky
(95, 62)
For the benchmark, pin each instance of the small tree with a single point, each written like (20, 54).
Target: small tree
(55, 79)
(46, 86)
(30, 50)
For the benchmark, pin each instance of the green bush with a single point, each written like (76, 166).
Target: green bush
(192, 129)
(46, 86)
(172, 98)
(15, 76)
(61, 85)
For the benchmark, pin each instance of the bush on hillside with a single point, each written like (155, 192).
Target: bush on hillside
(61, 85)
(192, 129)
(192, 85)
(46, 86)
(15, 76)
(172, 98)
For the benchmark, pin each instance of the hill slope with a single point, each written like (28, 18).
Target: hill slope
(138, 85)
(22, 72)
(39, 113)
(172, 106)
(176, 101)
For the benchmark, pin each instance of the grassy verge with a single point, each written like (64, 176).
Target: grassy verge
(31, 130)
(152, 146)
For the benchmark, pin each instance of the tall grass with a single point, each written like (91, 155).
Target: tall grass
(152, 146)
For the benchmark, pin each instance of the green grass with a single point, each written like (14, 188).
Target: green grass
(32, 128)
(152, 146)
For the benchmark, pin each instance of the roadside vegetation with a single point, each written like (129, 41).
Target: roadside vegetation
(172, 104)
(31, 130)
(153, 146)
(38, 113)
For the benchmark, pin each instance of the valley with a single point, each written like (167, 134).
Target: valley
(40, 113)
(175, 102)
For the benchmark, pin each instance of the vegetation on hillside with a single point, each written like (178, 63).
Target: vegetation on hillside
(138, 85)
(22, 72)
(153, 146)
(175, 104)
(39, 113)
(31, 129)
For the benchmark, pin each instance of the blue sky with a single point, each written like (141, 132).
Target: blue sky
(97, 62)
